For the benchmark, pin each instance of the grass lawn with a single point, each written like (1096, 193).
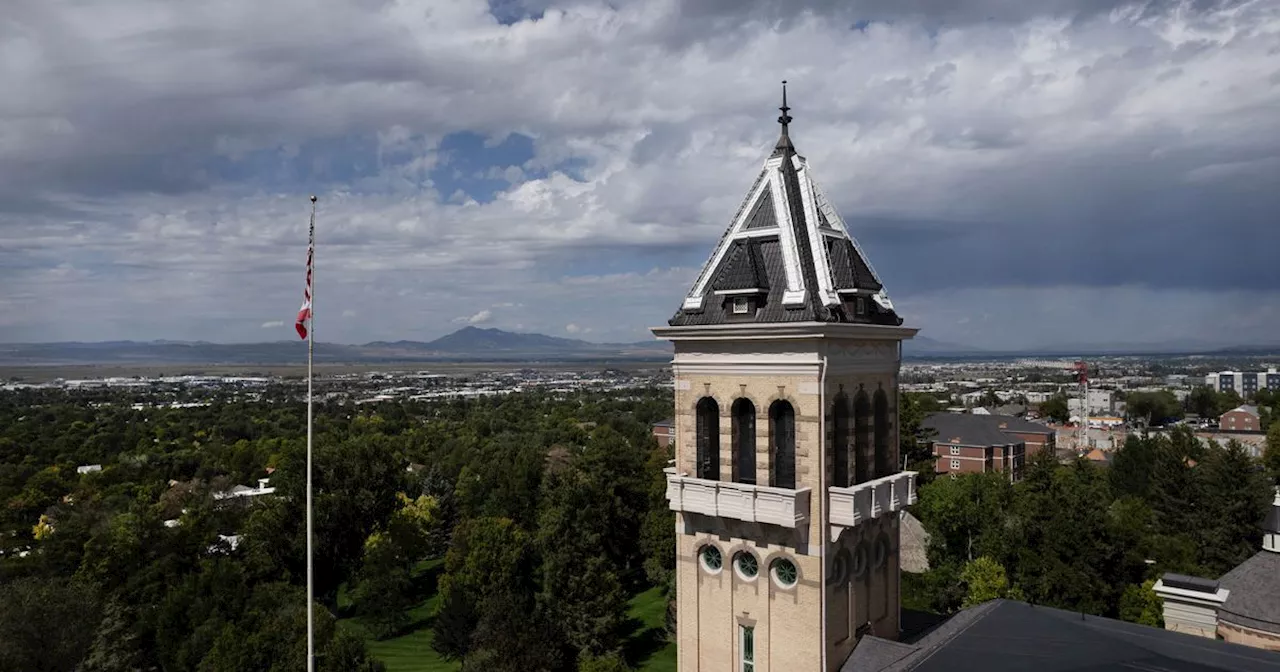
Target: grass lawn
(645, 647)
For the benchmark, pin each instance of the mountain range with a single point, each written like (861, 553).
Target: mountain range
(473, 344)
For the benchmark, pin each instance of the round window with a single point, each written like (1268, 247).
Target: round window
(748, 566)
(785, 573)
(712, 561)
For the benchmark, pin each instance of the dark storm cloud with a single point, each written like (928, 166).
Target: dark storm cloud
(158, 157)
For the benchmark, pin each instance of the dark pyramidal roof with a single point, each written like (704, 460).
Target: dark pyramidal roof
(788, 254)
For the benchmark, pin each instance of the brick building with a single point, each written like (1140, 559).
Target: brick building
(665, 432)
(973, 444)
(1241, 419)
(966, 443)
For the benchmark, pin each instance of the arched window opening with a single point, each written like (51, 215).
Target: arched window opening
(840, 441)
(862, 456)
(708, 439)
(744, 441)
(885, 459)
(782, 443)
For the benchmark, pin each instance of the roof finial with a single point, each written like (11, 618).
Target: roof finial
(784, 142)
(785, 118)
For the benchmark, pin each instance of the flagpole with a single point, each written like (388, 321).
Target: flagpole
(311, 341)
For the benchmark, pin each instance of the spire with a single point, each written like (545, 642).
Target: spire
(784, 142)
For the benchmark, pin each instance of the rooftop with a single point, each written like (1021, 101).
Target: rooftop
(788, 255)
(1004, 635)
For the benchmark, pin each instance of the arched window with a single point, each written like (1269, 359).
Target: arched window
(708, 439)
(744, 441)
(862, 455)
(782, 445)
(840, 441)
(885, 459)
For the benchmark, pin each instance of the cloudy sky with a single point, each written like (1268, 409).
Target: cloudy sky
(1020, 173)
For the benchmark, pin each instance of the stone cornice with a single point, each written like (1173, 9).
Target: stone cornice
(784, 331)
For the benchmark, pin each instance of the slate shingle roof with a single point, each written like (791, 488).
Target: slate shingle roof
(848, 267)
(971, 430)
(1254, 600)
(1007, 636)
(980, 430)
(743, 268)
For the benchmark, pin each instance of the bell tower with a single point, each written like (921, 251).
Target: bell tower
(787, 484)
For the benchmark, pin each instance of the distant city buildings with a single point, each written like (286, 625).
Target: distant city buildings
(1099, 402)
(1244, 383)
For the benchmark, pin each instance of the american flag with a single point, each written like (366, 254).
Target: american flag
(304, 313)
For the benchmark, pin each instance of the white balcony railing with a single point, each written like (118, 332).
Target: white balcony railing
(854, 505)
(739, 501)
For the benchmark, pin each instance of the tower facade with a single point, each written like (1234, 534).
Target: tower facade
(787, 483)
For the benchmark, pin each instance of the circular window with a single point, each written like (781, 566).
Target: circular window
(712, 561)
(785, 573)
(747, 565)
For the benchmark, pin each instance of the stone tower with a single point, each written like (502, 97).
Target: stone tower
(787, 481)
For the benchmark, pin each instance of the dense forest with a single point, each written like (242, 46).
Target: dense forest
(547, 510)
(542, 515)
(1093, 538)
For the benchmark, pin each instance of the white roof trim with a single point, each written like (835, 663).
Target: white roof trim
(817, 245)
(739, 292)
(694, 300)
(790, 257)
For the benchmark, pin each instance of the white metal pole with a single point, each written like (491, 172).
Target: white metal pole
(311, 342)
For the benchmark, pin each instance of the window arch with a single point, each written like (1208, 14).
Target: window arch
(782, 445)
(885, 460)
(840, 442)
(862, 456)
(744, 441)
(708, 439)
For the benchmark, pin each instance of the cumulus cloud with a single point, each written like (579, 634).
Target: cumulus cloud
(157, 164)
(479, 318)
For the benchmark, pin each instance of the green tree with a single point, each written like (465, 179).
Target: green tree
(1140, 604)
(455, 623)
(1153, 408)
(1235, 499)
(915, 442)
(1061, 536)
(46, 625)
(117, 646)
(1056, 409)
(1271, 454)
(385, 590)
(490, 563)
(580, 584)
(984, 580)
(657, 535)
(965, 516)
(607, 663)
(1203, 401)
